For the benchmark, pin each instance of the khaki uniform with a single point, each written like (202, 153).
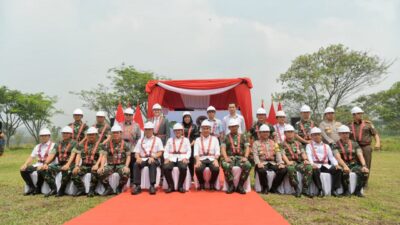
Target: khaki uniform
(329, 131)
(364, 138)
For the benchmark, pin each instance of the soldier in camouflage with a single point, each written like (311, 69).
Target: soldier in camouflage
(303, 127)
(79, 128)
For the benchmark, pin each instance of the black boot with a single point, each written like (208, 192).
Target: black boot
(53, 190)
(90, 194)
(80, 192)
(119, 189)
(202, 187)
(170, 182)
(357, 192)
(152, 190)
(181, 180)
(321, 193)
(231, 187)
(240, 188)
(38, 189)
(297, 194)
(61, 191)
(28, 180)
(108, 190)
(136, 190)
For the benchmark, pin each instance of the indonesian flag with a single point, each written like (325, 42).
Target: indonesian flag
(138, 117)
(272, 115)
(262, 103)
(119, 117)
(280, 108)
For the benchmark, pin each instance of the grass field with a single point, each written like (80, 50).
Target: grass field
(381, 205)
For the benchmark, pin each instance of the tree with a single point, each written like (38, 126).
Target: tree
(329, 76)
(127, 85)
(9, 112)
(35, 111)
(384, 105)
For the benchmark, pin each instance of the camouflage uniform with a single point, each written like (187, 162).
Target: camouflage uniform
(105, 131)
(78, 130)
(235, 158)
(295, 154)
(256, 126)
(116, 159)
(303, 129)
(351, 160)
(363, 138)
(89, 157)
(62, 150)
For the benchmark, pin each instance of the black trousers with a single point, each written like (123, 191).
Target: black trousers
(152, 171)
(200, 171)
(335, 173)
(191, 163)
(168, 167)
(132, 166)
(26, 175)
(279, 175)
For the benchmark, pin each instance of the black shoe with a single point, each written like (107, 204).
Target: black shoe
(38, 191)
(240, 190)
(60, 194)
(335, 193)
(359, 194)
(346, 194)
(30, 191)
(137, 190)
(90, 194)
(80, 192)
(274, 191)
(108, 191)
(169, 190)
(181, 190)
(118, 190)
(52, 192)
(202, 187)
(307, 193)
(298, 193)
(212, 187)
(321, 193)
(231, 188)
(265, 190)
(152, 190)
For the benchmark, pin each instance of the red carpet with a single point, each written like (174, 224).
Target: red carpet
(191, 208)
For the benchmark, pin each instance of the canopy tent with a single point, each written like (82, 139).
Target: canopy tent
(199, 94)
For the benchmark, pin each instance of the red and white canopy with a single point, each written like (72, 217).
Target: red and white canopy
(199, 94)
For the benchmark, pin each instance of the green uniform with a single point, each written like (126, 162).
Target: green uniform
(90, 154)
(293, 151)
(256, 126)
(303, 128)
(62, 151)
(235, 151)
(78, 130)
(350, 156)
(116, 153)
(363, 137)
(104, 130)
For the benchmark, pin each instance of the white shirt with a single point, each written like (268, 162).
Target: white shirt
(280, 132)
(214, 148)
(320, 152)
(239, 119)
(41, 150)
(143, 147)
(185, 151)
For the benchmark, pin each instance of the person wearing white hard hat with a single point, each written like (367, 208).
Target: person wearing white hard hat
(267, 157)
(304, 126)
(161, 124)
(363, 131)
(217, 127)
(206, 153)
(261, 120)
(350, 157)
(177, 154)
(115, 158)
(232, 109)
(39, 153)
(87, 160)
(280, 127)
(190, 131)
(79, 128)
(235, 152)
(103, 127)
(322, 160)
(296, 160)
(329, 127)
(148, 152)
(65, 152)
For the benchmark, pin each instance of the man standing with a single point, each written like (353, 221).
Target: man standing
(234, 116)
(261, 120)
(65, 152)
(350, 157)
(267, 156)
(89, 153)
(40, 152)
(296, 159)
(177, 153)
(148, 152)
(280, 127)
(79, 128)
(1, 139)
(304, 126)
(115, 158)
(161, 124)
(206, 153)
(103, 127)
(217, 128)
(235, 151)
(321, 158)
(329, 127)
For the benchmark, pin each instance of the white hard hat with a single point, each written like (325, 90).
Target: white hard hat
(178, 126)
(101, 114)
(156, 106)
(116, 128)
(186, 113)
(329, 110)
(92, 130)
(44, 131)
(264, 128)
(305, 108)
(128, 111)
(78, 112)
(356, 109)
(315, 130)
(233, 123)
(280, 114)
(67, 129)
(261, 111)
(289, 127)
(149, 125)
(205, 123)
(211, 108)
(344, 129)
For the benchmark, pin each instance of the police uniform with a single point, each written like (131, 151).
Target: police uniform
(329, 129)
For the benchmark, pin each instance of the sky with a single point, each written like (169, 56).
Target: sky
(58, 46)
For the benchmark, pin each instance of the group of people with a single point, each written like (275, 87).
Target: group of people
(102, 150)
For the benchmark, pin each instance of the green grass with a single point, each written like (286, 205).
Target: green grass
(381, 205)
